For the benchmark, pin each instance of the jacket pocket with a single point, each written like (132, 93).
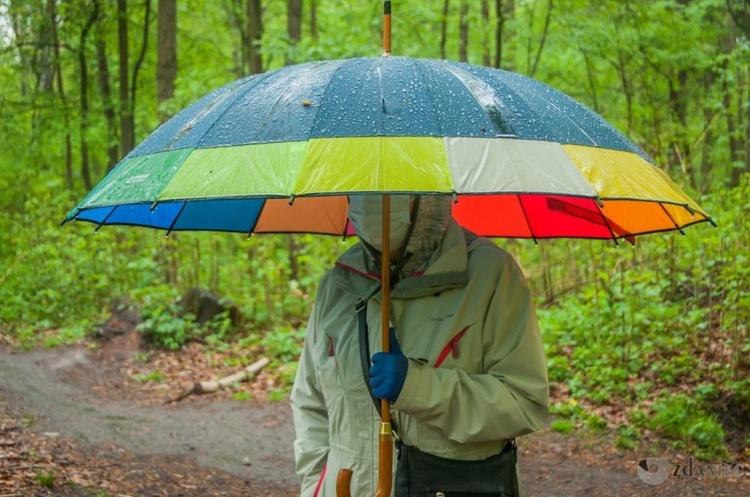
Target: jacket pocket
(451, 348)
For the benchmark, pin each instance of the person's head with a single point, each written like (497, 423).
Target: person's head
(366, 214)
(416, 221)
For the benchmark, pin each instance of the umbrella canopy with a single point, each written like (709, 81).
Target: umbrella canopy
(278, 152)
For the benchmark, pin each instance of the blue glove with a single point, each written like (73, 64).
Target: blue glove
(388, 371)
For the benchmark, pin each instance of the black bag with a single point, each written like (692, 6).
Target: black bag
(421, 474)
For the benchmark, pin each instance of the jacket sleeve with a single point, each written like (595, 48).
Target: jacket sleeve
(511, 397)
(310, 417)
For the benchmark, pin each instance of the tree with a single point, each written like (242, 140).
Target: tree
(84, 94)
(739, 11)
(166, 68)
(105, 88)
(463, 31)
(254, 35)
(314, 19)
(52, 18)
(127, 124)
(486, 55)
(532, 66)
(293, 26)
(504, 11)
(444, 29)
(128, 88)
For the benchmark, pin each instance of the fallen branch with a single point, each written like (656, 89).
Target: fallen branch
(22, 467)
(201, 387)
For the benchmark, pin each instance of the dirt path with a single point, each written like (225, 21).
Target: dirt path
(223, 447)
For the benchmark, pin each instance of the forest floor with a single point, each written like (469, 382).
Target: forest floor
(76, 421)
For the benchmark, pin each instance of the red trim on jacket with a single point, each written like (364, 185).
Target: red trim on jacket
(452, 346)
(320, 481)
(369, 274)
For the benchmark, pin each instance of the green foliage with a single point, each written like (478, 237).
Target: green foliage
(241, 396)
(46, 478)
(162, 325)
(562, 425)
(151, 376)
(628, 437)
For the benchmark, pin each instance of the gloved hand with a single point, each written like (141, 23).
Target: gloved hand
(388, 371)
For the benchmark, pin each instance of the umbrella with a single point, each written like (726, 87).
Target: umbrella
(279, 152)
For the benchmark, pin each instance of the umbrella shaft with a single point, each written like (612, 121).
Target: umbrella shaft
(387, 27)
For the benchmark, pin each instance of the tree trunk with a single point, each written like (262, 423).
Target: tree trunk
(740, 18)
(127, 131)
(44, 57)
(166, 67)
(732, 127)
(236, 13)
(463, 31)
(444, 29)
(486, 55)
(52, 13)
(504, 10)
(590, 77)
(680, 147)
(314, 19)
(538, 56)
(113, 153)
(139, 62)
(254, 35)
(293, 27)
(708, 139)
(83, 68)
(747, 134)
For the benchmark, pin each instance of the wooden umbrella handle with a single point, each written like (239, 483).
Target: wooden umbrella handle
(343, 483)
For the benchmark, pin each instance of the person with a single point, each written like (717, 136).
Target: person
(466, 373)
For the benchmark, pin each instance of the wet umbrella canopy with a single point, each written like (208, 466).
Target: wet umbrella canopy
(521, 159)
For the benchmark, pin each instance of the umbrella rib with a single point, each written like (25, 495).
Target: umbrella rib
(677, 226)
(528, 221)
(606, 223)
(240, 94)
(174, 221)
(106, 218)
(420, 69)
(314, 125)
(453, 68)
(257, 218)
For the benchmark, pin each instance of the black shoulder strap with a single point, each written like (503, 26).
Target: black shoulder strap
(364, 347)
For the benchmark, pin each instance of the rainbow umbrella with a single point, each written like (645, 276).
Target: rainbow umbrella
(278, 152)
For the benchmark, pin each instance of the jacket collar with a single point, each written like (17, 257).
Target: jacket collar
(356, 273)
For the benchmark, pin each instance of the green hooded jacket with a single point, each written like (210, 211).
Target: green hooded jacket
(476, 377)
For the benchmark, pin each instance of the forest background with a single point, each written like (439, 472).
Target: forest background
(642, 341)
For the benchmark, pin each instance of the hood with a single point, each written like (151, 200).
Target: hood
(437, 257)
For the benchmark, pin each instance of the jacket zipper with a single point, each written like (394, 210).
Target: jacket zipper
(451, 347)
